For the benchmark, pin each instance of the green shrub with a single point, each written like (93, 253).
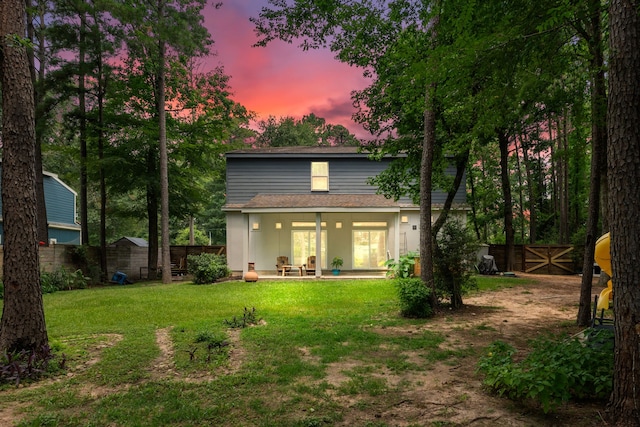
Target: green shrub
(554, 372)
(454, 257)
(207, 268)
(403, 268)
(62, 279)
(415, 298)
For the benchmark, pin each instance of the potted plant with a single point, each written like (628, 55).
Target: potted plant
(336, 263)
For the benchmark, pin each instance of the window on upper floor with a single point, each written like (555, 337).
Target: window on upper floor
(319, 176)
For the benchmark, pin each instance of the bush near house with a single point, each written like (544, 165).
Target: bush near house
(414, 297)
(455, 254)
(207, 268)
(403, 267)
(62, 279)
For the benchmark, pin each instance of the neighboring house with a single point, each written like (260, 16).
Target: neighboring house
(60, 201)
(301, 201)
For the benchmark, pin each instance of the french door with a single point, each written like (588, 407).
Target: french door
(369, 249)
(304, 245)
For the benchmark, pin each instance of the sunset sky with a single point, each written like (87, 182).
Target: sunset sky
(281, 79)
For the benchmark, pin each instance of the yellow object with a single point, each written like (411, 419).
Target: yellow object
(603, 257)
(605, 297)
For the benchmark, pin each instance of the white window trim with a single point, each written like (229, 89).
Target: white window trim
(316, 177)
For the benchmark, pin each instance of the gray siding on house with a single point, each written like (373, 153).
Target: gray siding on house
(247, 177)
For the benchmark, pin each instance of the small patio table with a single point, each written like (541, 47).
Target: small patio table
(288, 267)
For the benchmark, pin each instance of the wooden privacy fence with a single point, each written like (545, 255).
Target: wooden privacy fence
(179, 255)
(131, 260)
(537, 259)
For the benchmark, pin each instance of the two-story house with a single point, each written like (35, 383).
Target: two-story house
(302, 201)
(60, 201)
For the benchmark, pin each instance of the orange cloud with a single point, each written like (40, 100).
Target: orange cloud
(280, 79)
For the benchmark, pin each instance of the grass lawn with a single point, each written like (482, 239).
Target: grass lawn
(279, 378)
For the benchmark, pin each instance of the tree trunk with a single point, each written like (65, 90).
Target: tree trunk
(461, 165)
(565, 190)
(598, 160)
(82, 129)
(503, 141)
(426, 177)
(521, 213)
(164, 168)
(23, 324)
(102, 89)
(38, 84)
(474, 211)
(426, 170)
(624, 197)
(152, 213)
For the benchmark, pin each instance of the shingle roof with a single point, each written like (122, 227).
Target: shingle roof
(264, 201)
(296, 150)
(134, 240)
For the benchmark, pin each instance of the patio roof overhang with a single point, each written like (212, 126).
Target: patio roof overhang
(278, 203)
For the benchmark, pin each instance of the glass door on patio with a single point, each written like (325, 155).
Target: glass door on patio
(369, 249)
(304, 245)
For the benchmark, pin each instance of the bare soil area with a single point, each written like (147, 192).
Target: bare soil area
(514, 315)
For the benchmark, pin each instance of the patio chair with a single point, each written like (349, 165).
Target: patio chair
(282, 265)
(311, 265)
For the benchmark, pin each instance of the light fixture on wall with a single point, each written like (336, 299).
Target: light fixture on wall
(278, 225)
(255, 226)
(339, 224)
(404, 219)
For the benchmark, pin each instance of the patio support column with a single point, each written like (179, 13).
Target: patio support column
(247, 240)
(318, 244)
(396, 248)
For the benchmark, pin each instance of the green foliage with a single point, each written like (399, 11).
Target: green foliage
(207, 268)
(212, 345)
(454, 257)
(337, 262)
(248, 318)
(554, 372)
(414, 297)
(310, 131)
(62, 279)
(403, 268)
(182, 237)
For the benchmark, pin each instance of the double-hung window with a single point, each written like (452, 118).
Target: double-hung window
(319, 176)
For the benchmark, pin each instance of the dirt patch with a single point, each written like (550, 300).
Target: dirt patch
(454, 394)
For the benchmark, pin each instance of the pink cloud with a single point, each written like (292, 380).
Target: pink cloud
(280, 79)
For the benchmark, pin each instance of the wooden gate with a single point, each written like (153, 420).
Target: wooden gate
(548, 259)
